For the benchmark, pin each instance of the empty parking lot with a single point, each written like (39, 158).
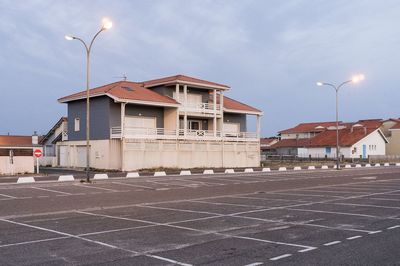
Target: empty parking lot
(293, 218)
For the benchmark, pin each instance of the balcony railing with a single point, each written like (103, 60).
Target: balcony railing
(201, 107)
(162, 133)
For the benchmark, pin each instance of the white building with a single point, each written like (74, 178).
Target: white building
(172, 122)
(318, 140)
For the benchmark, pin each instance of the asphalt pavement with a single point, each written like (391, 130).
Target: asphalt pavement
(320, 217)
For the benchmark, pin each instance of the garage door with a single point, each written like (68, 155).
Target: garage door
(63, 156)
(81, 155)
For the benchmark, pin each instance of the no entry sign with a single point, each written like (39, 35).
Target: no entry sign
(37, 153)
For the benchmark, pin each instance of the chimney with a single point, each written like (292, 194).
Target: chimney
(365, 130)
(35, 138)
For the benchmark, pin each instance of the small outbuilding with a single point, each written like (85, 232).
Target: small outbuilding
(16, 154)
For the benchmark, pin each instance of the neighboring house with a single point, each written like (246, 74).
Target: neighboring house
(16, 154)
(266, 144)
(57, 133)
(177, 121)
(391, 129)
(318, 140)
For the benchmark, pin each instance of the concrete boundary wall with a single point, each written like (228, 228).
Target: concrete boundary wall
(139, 154)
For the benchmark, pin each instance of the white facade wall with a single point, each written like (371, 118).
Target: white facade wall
(145, 154)
(21, 165)
(375, 138)
(305, 135)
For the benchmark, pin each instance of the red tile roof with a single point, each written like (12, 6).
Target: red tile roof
(309, 127)
(267, 141)
(397, 126)
(15, 141)
(124, 90)
(347, 137)
(232, 104)
(177, 78)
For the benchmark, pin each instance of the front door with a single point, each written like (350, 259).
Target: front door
(194, 124)
(364, 151)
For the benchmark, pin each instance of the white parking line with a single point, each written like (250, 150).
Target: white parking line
(131, 185)
(332, 243)
(393, 227)
(8, 196)
(303, 247)
(94, 187)
(375, 232)
(93, 241)
(51, 190)
(353, 237)
(255, 264)
(281, 257)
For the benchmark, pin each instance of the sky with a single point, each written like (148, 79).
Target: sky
(271, 53)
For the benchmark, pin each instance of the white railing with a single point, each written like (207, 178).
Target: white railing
(201, 107)
(162, 133)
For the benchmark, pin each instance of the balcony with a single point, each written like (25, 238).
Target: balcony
(162, 133)
(205, 108)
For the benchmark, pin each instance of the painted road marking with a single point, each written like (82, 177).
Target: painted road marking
(375, 232)
(51, 190)
(353, 237)
(8, 196)
(332, 243)
(393, 227)
(255, 264)
(280, 257)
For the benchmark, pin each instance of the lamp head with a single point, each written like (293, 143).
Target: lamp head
(69, 37)
(107, 24)
(320, 83)
(358, 78)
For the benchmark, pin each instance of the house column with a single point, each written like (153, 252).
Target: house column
(177, 110)
(123, 105)
(215, 113)
(185, 114)
(258, 126)
(221, 106)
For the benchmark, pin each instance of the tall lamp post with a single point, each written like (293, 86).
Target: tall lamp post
(355, 79)
(107, 24)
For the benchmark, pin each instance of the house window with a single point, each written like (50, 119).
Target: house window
(77, 124)
(328, 150)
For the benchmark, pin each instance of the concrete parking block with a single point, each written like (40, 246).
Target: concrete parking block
(66, 178)
(386, 164)
(347, 166)
(229, 171)
(248, 170)
(100, 176)
(161, 173)
(311, 167)
(266, 169)
(368, 165)
(297, 168)
(377, 165)
(185, 172)
(358, 165)
(26, 179)
(208, 172)
(133, 174)
(282, 169)
(324, 167)
(397, 164)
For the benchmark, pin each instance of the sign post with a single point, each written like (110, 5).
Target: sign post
(38, 154)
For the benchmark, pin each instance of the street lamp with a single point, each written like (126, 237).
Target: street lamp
(106, 24)
(354, 79)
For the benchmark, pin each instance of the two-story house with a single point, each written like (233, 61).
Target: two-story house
(359, 139)
(172, 122)
(49, 142)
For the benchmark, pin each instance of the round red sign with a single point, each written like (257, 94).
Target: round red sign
(37, 153)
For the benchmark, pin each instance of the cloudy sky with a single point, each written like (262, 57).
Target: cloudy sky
(271, 53)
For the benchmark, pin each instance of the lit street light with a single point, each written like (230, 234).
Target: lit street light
(107, 24)
(354, 79)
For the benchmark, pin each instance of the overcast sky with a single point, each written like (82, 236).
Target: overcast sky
(271, 53)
